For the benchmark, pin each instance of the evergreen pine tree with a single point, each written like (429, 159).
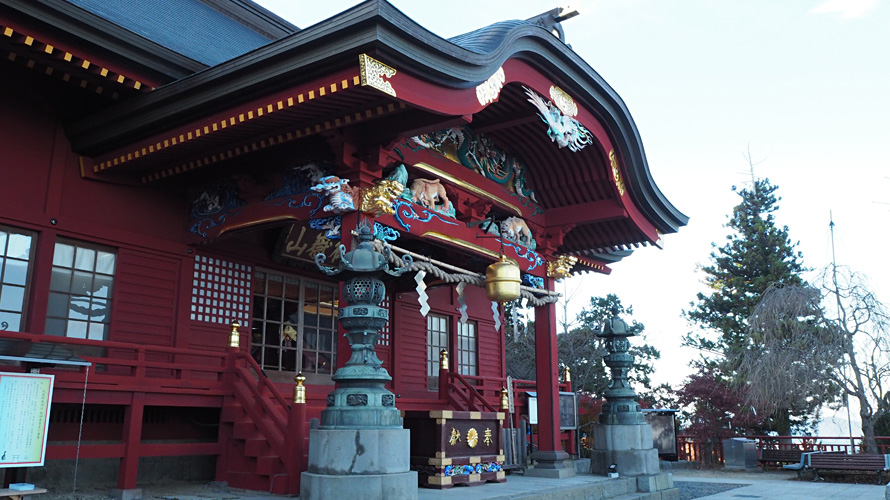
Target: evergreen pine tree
(757, 253)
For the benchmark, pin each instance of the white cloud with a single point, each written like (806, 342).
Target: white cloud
(846, 8)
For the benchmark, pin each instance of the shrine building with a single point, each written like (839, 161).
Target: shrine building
(178, 172)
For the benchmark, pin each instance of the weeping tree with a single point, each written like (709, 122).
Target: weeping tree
(818, 341)
(789, 362)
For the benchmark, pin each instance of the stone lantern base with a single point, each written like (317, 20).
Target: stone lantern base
(630, 449)
(371, 464)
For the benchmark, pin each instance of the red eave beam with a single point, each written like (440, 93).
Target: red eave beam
(584, 213)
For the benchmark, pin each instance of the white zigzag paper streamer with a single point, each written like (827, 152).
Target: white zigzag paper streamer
(421, 293)
(515, 317)
(462, 300)
(496, 315)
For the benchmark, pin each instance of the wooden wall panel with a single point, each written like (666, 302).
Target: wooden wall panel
(145, 301)
(409, 345)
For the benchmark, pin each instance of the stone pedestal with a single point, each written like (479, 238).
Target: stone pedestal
(551, 464)
(371, 464)
(628, 447)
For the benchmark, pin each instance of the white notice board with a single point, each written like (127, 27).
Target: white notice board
(24, 418)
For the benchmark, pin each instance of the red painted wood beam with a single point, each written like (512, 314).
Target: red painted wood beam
(585, 213)
(70, 451)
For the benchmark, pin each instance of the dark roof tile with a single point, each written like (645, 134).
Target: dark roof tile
(188, 27)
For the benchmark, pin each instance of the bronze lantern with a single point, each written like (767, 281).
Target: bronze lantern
(502, 280)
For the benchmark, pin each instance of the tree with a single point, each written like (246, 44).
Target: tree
(795, 356)
(519, 343)
(844, 345)
(582, 351)
(757, 253)
(715, 409)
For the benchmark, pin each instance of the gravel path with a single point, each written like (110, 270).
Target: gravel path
(695, 489)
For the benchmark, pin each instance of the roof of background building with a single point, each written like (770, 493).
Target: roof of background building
(189, 27)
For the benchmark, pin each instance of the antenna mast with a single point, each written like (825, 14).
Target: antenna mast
(837, 296)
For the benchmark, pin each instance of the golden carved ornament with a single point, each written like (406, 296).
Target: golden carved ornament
(561, 267)
(373, 72)
(299, 389)
(487, 437)
(443, 359)
(235, 336)
(488, 91)
(472, 438)
(563, 101)
(378, 200)
(616, 173)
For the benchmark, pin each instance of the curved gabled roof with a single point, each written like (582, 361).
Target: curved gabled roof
(450, 69)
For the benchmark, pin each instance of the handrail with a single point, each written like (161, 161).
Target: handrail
(133, 364)
(266, 383)
(473, 393)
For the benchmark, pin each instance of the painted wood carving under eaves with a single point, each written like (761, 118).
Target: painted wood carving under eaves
(479, 153)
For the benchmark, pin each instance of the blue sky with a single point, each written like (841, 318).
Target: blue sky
(805, 84)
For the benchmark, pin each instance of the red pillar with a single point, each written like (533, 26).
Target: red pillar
(549, 456)
(129, 467)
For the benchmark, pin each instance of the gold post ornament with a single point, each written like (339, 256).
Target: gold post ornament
(505, 400)
(568, 375)
(235, 336)
(443, 359)
(300, 389)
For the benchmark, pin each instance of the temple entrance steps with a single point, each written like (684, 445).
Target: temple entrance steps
(251, 460)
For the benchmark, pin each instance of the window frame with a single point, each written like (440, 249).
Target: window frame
(432, 356)
(261, 323)
(472, 354)
(73, 270)
(27, 287)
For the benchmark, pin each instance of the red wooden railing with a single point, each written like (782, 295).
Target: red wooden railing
(263, 402)
(123, 367)
(462, 393)
(692, 449)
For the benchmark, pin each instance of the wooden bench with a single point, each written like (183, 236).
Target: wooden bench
(779, 457)
(804, 463)
(20, 494)
(859, 462)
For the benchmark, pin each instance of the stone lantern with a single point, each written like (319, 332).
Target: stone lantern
(622, 440)
(361, 413)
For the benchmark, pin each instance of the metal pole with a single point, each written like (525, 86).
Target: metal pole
(837, 296)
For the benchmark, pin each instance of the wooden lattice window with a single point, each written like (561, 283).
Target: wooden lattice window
(16, 257)
(294, 323)
(467, 349)
(436, 340)
(80, 290)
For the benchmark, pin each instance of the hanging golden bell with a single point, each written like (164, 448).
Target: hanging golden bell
(502, 280)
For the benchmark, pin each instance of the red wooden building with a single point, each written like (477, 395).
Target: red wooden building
(169, 171)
